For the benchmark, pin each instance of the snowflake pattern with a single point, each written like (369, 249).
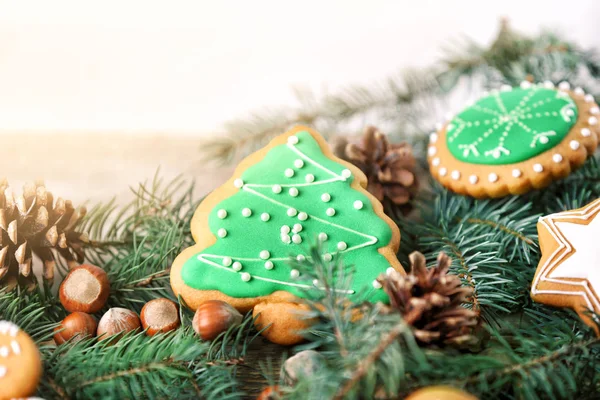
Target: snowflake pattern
(508, 127)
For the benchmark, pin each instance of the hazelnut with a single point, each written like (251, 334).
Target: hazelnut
(84, 289)
(77, 325)
(159, 315)
(117, 320)
(214, 317)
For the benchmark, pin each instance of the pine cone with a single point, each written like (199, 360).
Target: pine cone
(389, 167)
(431, 301)
(33, 224)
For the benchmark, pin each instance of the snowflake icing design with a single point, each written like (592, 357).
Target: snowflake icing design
(481, 132)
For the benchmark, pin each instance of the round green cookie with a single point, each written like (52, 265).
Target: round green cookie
(508, 127)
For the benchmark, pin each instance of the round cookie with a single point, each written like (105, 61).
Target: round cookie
(281, 200)
(20, 362)
(514, 140)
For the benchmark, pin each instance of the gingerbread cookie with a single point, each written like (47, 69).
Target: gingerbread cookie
(20, 362)
(279, 201)
(568, 273)
(514, 140)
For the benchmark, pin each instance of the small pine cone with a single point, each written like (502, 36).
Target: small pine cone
(390, 168)
(431, 301)
(34, 224)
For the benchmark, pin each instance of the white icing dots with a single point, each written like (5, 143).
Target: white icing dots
(327, 257)
(431, 151)
(377, 284)
(227, 261)
(493, 177)
(538, 168)
(358, 204)
(443, 171)
(300, 258)
(222, 214)
(238, 183)
(264, 254)
(284, 229)
(455, 175)
(564, 86)
(525, 85)
(594, 110)
(297, 228)
(285, 238)
(302, 216)
(296, 238)
(245, 276)
(269, 265)
(323, 236)
(588, 98)
(330, 211)
(548, 84)
(309, 178)
(342, 246)
(473, 179)
(4, 351)
(222, 232)
(346, 173)
(579, 91)
(557, 158)
(433, 137)
(3, 371)
(298, 163)
(574, 144)
(291, 212)
(246, 212)
(516, 173)
(544, 140)
(293, 139)
(585, 132)
(390, 271)
(325, 197)
(505, 88)
(237, 266)
(276, 189)
(316, 282)
(435, 162)
(293, 192)
(288, 173)
(265, 217)
(294, 274)
(592, 120)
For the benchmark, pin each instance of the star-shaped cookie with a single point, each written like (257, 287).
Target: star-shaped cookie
(568, 274)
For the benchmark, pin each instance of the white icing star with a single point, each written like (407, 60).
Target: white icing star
(585, 262)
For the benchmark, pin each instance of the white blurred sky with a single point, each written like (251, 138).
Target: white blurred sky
(187, 66)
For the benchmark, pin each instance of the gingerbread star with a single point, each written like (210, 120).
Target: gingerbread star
(568, 274)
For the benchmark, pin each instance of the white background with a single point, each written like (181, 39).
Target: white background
(186, 67)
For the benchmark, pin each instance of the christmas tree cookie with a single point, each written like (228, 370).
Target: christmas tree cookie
(568, 274)
(515, 139)
(280, 201)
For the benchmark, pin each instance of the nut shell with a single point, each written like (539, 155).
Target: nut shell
(85, 289)
(77, 325)
(160, 315)
(214, 317)
(117, 321)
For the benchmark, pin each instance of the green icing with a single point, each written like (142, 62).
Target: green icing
(247, 236)
(511, 126)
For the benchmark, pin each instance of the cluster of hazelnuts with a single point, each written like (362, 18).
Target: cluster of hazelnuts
(85, 291)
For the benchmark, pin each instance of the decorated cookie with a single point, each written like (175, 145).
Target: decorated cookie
(515, 139)
(280, 200)
(20, 362)
(568, 274)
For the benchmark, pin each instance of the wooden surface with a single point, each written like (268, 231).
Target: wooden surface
(263, 357)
